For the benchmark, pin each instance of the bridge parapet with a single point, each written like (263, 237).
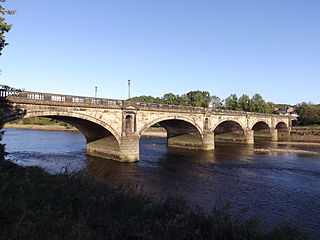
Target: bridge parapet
(58, 97)
(94, 102)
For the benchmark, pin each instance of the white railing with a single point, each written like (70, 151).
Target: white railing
(35, 96)
(58, 98)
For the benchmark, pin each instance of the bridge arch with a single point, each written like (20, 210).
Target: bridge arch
(283, 131)
(229, 131)
(281, 126)
(181, 132)
(162, 119)
(262, 130)
(228, 125)
(71, 118)
(260, 125)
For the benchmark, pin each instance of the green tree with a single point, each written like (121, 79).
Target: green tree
(216, 102)
(4, 26)
(271, 107)
(170, 98)
(231, 102)
(145, 98)
(245, 103)
(199, 98)
(204, 99)
(308, 113)
(259, 105)
(183, 100)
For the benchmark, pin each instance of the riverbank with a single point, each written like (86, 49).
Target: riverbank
(151, 132)
(305, 134)
(41, 127)
(272, 150)
(36, 205)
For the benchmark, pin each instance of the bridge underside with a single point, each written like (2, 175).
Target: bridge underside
(100, 141)
(230, 131)
(263, 132)
(182, 134)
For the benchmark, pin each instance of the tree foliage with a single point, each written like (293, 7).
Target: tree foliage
(4, 26)
(231, 102)
(199, 98)
(216, 102)
(244, 103)
(145, 98)
(308, 113)
(203, 99)
(192, 98)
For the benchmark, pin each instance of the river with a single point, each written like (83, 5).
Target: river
(276, 185)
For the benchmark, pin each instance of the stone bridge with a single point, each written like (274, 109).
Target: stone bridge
(113, 128)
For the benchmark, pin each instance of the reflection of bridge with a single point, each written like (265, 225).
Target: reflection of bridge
(113, 128)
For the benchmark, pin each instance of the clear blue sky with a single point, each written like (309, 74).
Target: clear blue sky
(271, 47)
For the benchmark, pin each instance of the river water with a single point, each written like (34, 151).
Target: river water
(275, 185)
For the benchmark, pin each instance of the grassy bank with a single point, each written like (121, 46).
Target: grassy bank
(41, 127)
(38, 122)
(36, 205)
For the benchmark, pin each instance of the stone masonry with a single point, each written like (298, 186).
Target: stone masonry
(113, 128)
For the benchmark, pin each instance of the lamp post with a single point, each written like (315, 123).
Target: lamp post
(129, 82)
(95, 91)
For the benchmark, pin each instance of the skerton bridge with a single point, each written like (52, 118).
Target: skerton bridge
(113, 128)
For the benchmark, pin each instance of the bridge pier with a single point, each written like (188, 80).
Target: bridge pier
(284, 133)
(129, 148)
(193, 141)
(106, 147)
(208, 141)
(274, 134)
(189, 141)
(126, 151)
(249, 136)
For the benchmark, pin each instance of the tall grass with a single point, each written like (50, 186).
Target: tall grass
(36, 205)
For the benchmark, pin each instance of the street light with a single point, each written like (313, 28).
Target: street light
(129, 82)
(95, 91)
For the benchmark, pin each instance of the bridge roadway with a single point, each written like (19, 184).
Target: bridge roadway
(112, 128)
